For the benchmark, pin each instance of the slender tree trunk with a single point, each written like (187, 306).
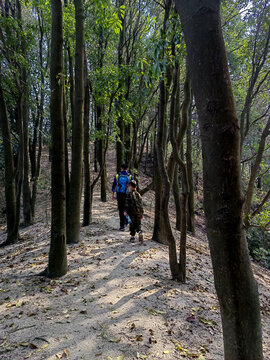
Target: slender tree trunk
(168, 234)
(120, 148)
(177, 198)
(191, 211)
(67, 177)
(87, 208)
(236, 288)
(20, 159)
(10, 193)
(101, 154)
(33, 144)
(27, 207)
(160, 228)
(94, 117)
(75, 188)
(176, 112)
(103, 178)
(71, 81)
(58, 254)
(185, 185)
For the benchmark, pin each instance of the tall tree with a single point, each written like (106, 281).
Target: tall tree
(10, 191)
(220, 134)
(58, 254)
(75, 187)
(87, 218)
(120, 144)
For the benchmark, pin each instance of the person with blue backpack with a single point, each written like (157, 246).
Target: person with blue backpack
(120, 188)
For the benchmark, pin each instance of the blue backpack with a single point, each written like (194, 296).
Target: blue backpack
(122, 183)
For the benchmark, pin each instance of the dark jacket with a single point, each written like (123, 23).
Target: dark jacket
(134, 204)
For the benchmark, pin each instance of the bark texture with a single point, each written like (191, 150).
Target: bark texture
(220, 134)
(75, 186)
(87, 207)
(58, 254)
(10, 192)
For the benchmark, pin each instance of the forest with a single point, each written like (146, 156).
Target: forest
(172, 98)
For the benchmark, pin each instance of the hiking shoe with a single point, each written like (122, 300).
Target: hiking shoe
(132, 239)
(122, 229)
(140, 236)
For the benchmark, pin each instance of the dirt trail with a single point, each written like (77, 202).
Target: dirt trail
(117, 300)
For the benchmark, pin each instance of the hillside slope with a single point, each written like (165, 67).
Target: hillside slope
(117, 300)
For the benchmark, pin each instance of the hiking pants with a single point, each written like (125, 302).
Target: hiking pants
(121, 198)
(135, 226)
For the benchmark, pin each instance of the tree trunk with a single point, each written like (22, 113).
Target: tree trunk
(71, 81)
(160, 228)
(58, 254)
(176, 112)
(65, 116)
(87, 208)
(191, 211)
(176, 196)
(184, 176)
(75, 187)
(27, 207)
(236, 288)
(168, 234)
(101, 156)
(120, 148)
(10, 193)
(20, 159)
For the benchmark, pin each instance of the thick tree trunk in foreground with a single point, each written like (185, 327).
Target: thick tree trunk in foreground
(236, 288)
(10, 193)
(58, 254)
(75, 187)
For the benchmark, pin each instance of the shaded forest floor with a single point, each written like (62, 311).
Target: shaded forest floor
(117, 300)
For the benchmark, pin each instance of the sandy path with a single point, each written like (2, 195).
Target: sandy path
(116, 302)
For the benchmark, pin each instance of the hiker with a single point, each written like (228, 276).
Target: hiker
(120, 187)
(134, 208)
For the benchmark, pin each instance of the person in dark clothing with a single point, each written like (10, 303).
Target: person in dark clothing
(120, 188)
(134, 208)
